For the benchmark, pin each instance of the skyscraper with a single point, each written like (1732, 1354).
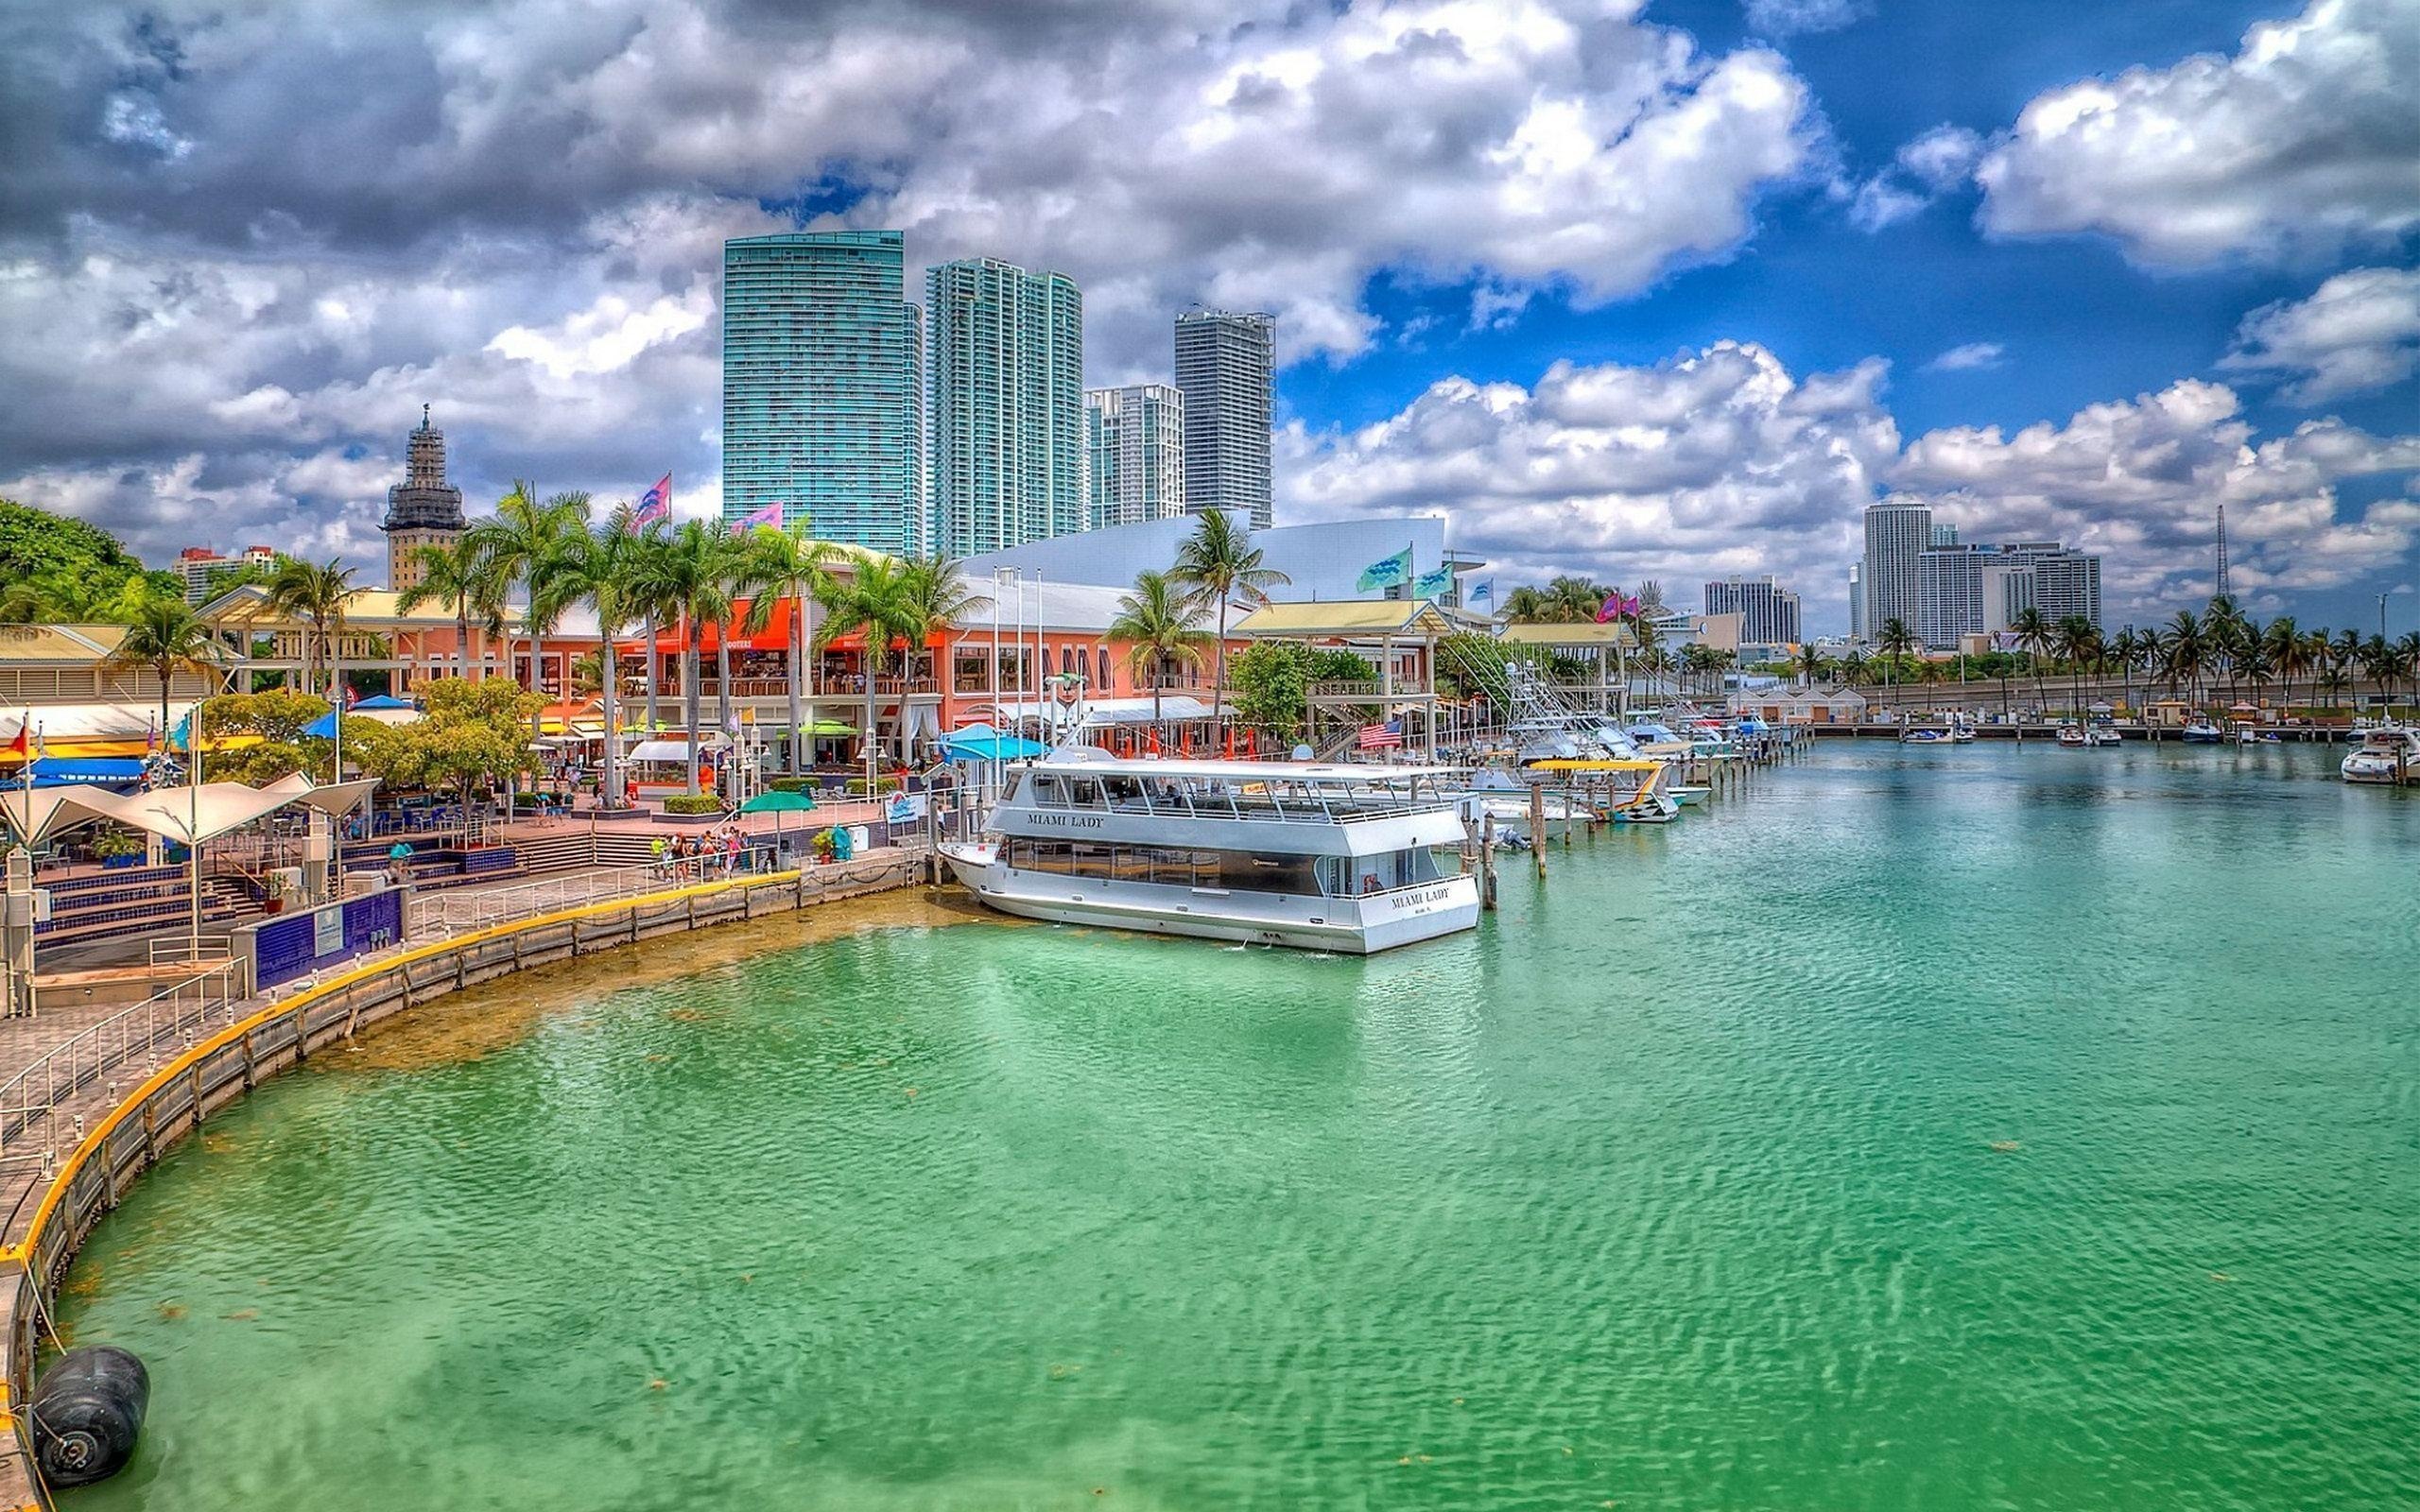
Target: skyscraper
(1006, 376)
(1857, 601)
(1979, 587)
(820, 404)
(1223, 363)
(1135, 453)
(421, 511)
(1768, 612)
(1896, 536)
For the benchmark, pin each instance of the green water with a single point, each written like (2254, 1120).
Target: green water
(1674, 1186)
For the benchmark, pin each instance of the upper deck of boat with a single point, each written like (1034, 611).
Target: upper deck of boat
(1288, 792)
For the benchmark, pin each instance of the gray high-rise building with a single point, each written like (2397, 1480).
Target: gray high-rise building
(1006, 386)
(821, 405)
(1897, 537)
(1768, 612)
(1981, 588)
(1857, 601)
(1135, 454)
(1224, 363)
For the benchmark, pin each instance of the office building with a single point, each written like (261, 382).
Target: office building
(1897, 537)
(821, 406)
(1133, 454)
(1769, 611)
(1224, 363)
(2067, 582)
(422, 510)
(1006, 386)
(1981, 588)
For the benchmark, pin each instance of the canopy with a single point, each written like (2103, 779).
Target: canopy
(328, 798)
(323, 727)
(774, 800)
(963, 746)
(674, 751)
(381, 701)
(32, 814)
(823, 727)
(103, 771)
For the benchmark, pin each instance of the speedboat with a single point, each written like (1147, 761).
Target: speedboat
(2248, 733)
(1925, 737)
(1494, 795)
(1652, 739)
(1309, 854)
(2387, 756)
(2201, 733)
(1688, 795)
(2073, 735)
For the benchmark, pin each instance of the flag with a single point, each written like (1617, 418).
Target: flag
(352, 695)
(1388, 572)
(1615, 607)
(1433, 584)
(182, 737)
(1479, 590)
(1380, 737)
(22, 748)
(655, 504)
(151, 734)
(769, 515)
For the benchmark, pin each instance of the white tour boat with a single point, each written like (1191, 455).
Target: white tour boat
(1314, 856)
(2387, 755)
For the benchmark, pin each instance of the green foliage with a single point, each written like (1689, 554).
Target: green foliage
(693, 804)
(115, 843)
(470, 734)
(856, 787)
(1271, 681)
(793, 784)
(278, 715)
(62, 569)
(1468, 664)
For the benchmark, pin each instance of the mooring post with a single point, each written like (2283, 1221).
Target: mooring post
(1538, 826)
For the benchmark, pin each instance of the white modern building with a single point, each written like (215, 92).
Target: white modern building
(1224, 365)
(1133, 454)
(1981, 588)
(1857, 603)
(1897, 537)
(1769, 612)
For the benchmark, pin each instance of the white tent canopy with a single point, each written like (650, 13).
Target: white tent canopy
(183, 814)
(674, 751)
(328, 798)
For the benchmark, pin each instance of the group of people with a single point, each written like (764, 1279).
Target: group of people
(706, 854)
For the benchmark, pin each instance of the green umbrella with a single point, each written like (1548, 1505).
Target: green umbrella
(777, 802)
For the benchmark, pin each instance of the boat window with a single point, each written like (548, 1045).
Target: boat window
(1207, 870)
(1045, 792)
(1091, 861)
(1275, 873)
(1131, 863)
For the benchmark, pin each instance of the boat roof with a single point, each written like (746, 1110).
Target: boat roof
(1105, 765)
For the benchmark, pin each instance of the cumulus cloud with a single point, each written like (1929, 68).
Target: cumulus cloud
(1720, 460)
(2140, 480)
(242, 232)
(2360, 330)
(1973, 356)
(1717, 460)
(2306, 140)
(1782, 18)
(1921, 171)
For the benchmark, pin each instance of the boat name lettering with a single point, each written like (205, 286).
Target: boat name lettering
(1072, 821)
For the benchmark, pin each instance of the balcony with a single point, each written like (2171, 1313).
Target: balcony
(1368, 690)
(849, 685)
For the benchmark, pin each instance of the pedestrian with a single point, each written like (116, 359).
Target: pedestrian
(731, 852)
(655, 853)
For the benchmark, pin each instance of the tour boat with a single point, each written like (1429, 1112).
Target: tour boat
(1314, 856)
(2387, 756)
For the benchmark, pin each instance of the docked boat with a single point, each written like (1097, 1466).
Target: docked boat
(1651, 805)
(2248, 733)
(1688, 795)
(2087, 735)
(2387, 756)
(1925, 737)
(2201, 733)
(1494, 795)
(1313, 855)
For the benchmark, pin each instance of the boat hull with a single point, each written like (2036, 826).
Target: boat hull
(1353, 926)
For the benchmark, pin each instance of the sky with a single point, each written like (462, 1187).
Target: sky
(1660, 289)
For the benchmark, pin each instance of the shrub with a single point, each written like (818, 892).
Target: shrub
(793, 784)
(693, 804)
(882, 785)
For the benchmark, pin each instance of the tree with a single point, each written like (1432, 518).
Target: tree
(317, 595)
(880, 600)
(940, 594)
(779, 566)
(2283, 643)
(597, 567)
(2033, 636)
(1218, 564)
(468, 735)
(1810, 664)
(169, 638)
(688, 576)
(1896, 643)
(1528, 606)
(77, 572)
(276, 718)
(1155, 622)
(2078, 644)
(1272, 687)
(517, 544)
(459, 574)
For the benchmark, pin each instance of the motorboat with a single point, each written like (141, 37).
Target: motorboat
(2387, 756)
(1314, 856)
(2087, 735)
(1688, 795)
(1925, 737)
(1494, 795)
(1649, 804)
(2201, 733)
(2248, 733)
(2073, 735)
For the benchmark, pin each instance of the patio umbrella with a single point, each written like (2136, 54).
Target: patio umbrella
(777, 802)
(991, 747)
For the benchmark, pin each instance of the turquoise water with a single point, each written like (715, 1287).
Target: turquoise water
(1975, 1127)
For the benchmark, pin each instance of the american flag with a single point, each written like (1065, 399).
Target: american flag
(1380, 737)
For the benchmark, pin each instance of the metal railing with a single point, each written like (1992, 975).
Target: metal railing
(185, 950)
(447, 913)
(138, 1040)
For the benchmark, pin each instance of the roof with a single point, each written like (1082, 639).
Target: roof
(1360, 616)
(80, 644)
(1614, 634)
(1087, 760)
(377, 609)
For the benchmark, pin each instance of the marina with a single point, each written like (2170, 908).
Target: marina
(999, 1215)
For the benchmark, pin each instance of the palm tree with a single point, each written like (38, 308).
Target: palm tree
(1575, 600)
(316, 593)
(598, 567)
(2407, 652)
(687, 577)
(517, 542)
(1810, 664)
(2079, 644)
(457, 573)
(1528, 606)
(2344, 652)
(2033, 636)
(1156, 622)
(2123, 651)
(880, 600)
(23, 605)
(779, 566)
(167, 637)
(1896, 641)
(1218, 564)
(2282, 646)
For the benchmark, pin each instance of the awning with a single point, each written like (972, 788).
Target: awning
(183, 814)
(991, 747)
(674, 751)
(775, 635)
(328, 798)
(1093, 713)
(103, 771)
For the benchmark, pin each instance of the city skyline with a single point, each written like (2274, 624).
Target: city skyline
(1675, 294)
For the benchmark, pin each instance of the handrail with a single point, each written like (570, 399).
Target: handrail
(448, 913)
(166, 1020)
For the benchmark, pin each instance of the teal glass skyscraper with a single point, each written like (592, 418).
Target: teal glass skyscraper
(822, 406)
(1007, 400)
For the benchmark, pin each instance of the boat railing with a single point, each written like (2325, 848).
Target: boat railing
(1255, 809)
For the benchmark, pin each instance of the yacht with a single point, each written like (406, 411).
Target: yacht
(2202, 731)
(1315, 855)
(2087, 735)
(2387, 756)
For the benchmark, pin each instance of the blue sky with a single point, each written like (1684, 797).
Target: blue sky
(1657, 290)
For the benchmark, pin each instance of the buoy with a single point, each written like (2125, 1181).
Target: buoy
(88, 1411)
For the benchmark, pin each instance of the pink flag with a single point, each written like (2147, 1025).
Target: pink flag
(769, 515)
(655, 504)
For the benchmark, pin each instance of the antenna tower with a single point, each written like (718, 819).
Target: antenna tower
(2223, 590)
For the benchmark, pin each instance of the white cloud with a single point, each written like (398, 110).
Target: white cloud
(606, 337)
(1782, 18)
(1973, 356)
(1922, 171)
(2360, 330)
(2304, 141)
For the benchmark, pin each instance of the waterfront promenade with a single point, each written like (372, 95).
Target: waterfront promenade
(92, 1090)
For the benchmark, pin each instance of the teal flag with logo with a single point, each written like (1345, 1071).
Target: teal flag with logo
(1389, 571)
(1433, 585)
(182, 737)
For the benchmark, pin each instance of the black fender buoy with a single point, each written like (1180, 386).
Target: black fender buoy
(88, 1411)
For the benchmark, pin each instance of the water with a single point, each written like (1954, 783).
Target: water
(1973, 1127)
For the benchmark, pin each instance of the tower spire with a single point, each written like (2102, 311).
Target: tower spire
(2222, 582)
